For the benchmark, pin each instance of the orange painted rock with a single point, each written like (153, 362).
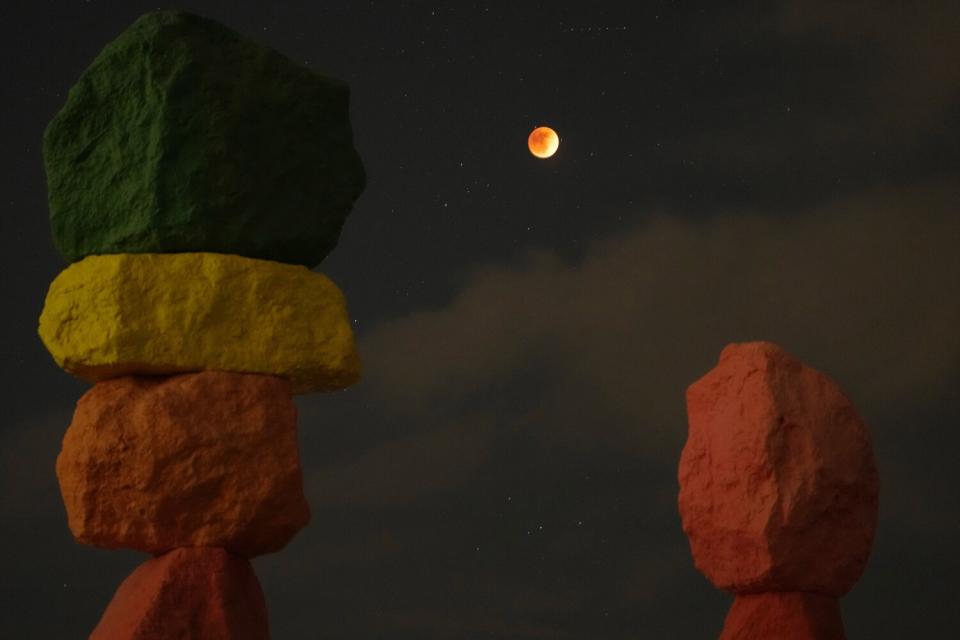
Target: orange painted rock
(784, 616)
(204, 459)
(187, 593)
(778, 485)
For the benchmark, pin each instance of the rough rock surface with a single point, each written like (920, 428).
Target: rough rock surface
(108, 316)
(195, 460)
(778, 485)
(187, 593)
(184, 136)
(783, 616)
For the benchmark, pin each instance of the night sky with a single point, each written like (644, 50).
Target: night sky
(787, 171)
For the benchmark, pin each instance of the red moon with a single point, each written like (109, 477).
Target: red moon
(543, 142)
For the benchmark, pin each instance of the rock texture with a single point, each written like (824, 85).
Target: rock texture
(108, 316)
(778, 486)
(783, 616)
(196, 460)
(189, 594)
(183, 136)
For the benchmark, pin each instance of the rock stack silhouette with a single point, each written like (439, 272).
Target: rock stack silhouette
(778, 493)
(195, 177)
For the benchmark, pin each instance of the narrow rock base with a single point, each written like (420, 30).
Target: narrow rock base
(783, 615)
(189, 593)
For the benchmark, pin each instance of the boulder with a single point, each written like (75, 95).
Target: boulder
(778, 485)
(783, 616)
(195, 460)
(184, 136)
(115, 315)
(187, 593)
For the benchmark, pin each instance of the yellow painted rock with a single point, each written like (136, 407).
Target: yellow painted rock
(114, 315)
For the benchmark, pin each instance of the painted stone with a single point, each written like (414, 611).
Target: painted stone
(187, 593)
(195, 460)
(109, 316)
(787, 615)
(184, 136)
(778, 484)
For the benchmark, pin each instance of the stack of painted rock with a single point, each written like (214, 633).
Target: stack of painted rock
(194, 178)
(778, 493)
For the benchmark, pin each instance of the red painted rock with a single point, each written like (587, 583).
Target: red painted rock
(778, 486)
(204, 459)
(187, 593)
(783, 616)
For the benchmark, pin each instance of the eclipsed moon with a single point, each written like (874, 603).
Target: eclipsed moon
(543, 142)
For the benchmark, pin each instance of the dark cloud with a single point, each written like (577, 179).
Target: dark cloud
(425, 463)
(911, 86)
(856, 287)
(808, 100)
(26, 484)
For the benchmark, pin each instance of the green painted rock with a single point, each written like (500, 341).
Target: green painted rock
(184, 136)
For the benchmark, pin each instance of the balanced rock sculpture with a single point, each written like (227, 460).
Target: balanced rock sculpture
(194, 178)
(778, 493)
